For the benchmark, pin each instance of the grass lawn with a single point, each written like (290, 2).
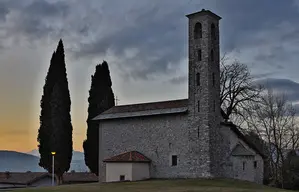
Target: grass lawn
(190, 185)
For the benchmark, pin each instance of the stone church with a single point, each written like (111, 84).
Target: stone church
(188, 138)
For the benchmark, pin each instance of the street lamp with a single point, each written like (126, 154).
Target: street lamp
(53, 158)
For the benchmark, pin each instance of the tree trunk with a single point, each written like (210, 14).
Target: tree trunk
(59, 179)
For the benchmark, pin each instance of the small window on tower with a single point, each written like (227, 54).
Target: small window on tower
(212, 55)
(255, 164)
(213, 31)
(197, 31)
(214, 106)
(198, 106)
(174, 160)
(197, 79)
(199, 55)
(213, 78)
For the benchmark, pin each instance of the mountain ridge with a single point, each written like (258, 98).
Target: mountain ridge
(77, 155)
(14, 161)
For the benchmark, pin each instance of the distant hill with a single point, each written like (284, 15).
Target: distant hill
(77, 155)
(77, 164)
(21, 162)
(34, 152)
(18, 162)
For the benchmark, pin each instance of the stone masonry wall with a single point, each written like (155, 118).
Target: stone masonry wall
(198, 129)
(207, 119)
(232, 164)
(157, 137)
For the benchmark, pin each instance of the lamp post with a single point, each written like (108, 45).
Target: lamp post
(53, 158)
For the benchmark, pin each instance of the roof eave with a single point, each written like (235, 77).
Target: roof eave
(141, 113)
(107, 161)
(204, 12)
(243, 138)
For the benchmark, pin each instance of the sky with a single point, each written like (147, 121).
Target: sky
(145, 45)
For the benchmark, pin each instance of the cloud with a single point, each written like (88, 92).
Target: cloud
(91, 30)
(158, 36)
(282, 86)
(262, 75)
(147, 40)
(144, 42)
(3, 11)
(179, 80)
(286, 87)
(157, 30)
(30, 22)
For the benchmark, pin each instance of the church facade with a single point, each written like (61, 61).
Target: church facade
(187, 138)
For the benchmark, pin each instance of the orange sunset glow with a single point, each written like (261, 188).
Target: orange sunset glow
(21, 95)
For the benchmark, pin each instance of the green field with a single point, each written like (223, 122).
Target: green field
(190, 185)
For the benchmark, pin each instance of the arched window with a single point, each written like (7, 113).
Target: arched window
(197, 79)
(197, 31)
(212, 55)
(199, 55)
(213, 31)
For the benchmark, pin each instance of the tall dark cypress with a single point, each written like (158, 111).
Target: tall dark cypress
(55, 132)
(100, 99)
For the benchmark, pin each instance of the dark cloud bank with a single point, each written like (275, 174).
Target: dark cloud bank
(156, 29)
(288, 88)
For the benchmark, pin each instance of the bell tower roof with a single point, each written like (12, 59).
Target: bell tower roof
(204, 12)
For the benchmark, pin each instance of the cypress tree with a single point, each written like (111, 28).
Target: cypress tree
(55, 132)
(100, 99)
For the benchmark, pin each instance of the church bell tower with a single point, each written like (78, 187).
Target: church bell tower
(204, 87)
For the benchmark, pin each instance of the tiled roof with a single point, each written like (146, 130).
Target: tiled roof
(27, 178)
(132, 156)
(147, 106)
(240, 150)
(21, 178)
(204, 12)
(80, 177)
(146, 109)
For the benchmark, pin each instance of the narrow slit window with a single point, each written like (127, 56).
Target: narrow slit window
(174, 160)
(255, 164)
(212, 55)
(197, 31)
(197, 79)
(213, 31)
(214, 106)
(198, 132)
(199, 55)
(213, 79)
(198, 106)
(244, 164)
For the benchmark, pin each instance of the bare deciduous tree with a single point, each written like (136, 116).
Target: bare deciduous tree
(256, 109)
(273, 119)
(237, 88)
